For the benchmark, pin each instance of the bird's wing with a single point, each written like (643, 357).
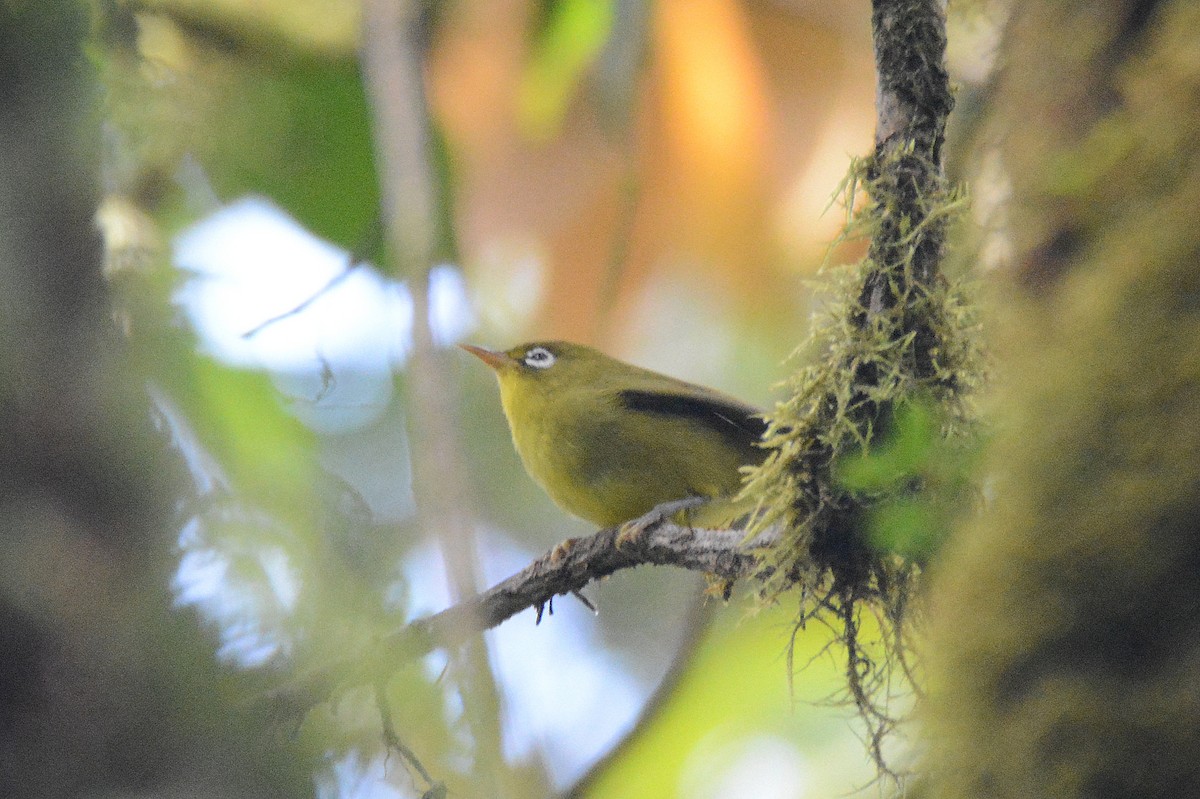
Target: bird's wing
(726, 417)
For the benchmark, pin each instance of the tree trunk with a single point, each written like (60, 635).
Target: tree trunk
(1065, 641)
(104, 688)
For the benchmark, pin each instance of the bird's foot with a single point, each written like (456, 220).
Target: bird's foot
(561, 549)
(634, 529)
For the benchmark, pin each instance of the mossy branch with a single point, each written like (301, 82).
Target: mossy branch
(893, 330)
(893, 327)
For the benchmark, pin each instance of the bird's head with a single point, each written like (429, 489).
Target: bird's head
(543, 363)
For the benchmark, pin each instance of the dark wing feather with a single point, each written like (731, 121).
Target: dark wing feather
(739, 423)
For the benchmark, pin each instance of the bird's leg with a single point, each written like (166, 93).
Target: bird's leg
(633, 529)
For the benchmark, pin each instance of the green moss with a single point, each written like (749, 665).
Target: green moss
(889, 332)
(892, 329)
(863, 361)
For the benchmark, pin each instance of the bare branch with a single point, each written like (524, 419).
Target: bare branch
(566, 569)
(304, 304)
(579, 561)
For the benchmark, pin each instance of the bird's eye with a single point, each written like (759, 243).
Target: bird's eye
(539, 358)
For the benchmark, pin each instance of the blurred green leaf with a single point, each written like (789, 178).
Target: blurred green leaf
(717, 706)
(910, 527)
(261, 115)
(914, 481)
(446, 245)
(265, 450)
(901, 456)
(567, 44)
(318, 26)
(297, 130)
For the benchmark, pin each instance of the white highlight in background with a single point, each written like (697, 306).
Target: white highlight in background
(250, 262)
(564, 694)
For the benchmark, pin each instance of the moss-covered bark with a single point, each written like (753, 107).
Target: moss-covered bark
(891, 330)
(1064, 650)
(894, 331)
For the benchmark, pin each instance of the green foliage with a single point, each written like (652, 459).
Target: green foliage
(272, 131)
(717, 711)
(249, 432)
(569, 40)
(259, 116)
(915, 481)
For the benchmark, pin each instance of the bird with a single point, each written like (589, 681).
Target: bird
(616, 444)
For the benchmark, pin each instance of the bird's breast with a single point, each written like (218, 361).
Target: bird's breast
(565, 443)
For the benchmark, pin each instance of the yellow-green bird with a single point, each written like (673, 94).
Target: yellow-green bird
(610, 442)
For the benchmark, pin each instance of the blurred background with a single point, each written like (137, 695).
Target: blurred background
(652, 178)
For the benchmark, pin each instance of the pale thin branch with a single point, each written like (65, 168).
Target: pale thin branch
(395, 41)
(304, 304)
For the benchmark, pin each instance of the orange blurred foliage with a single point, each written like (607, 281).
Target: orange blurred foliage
(744, 116)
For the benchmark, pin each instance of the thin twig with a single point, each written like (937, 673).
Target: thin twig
(318, 294)
(356, 258)
(392, 738)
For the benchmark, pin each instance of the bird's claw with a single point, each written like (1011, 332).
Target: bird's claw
(634, 529)
(630, 531)
(561, 549)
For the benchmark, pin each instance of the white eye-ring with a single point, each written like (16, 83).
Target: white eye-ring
(539, 358)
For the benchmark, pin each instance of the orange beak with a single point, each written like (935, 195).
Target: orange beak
(496, 360)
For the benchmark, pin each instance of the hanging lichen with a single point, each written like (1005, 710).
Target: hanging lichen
(893, 332)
